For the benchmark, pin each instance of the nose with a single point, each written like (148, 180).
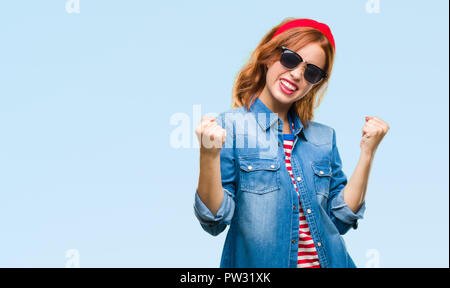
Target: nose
(297, 73)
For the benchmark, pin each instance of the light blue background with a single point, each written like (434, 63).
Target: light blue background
(85, 107)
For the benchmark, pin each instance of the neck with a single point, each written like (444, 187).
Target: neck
(274, 105)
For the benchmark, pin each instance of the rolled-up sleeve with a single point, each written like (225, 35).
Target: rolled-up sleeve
(214, 225)
(341, 215)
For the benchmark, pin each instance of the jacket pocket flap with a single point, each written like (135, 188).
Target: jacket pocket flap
(254, 164)
(321, 169)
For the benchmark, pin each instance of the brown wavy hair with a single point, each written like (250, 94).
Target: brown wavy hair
(251, 80)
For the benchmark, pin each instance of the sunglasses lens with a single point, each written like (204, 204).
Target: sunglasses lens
(313, 74)
(289, 60)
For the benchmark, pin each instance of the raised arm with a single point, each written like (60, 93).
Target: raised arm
(372, 134)
(214, 198)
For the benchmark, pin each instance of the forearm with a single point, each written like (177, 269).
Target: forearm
(355, 190)
(209, 182)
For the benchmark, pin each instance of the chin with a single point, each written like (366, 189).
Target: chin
(283, 98)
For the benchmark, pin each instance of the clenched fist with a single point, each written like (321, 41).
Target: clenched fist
(210, 135)
(372, 134)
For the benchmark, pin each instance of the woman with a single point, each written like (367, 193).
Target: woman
(269, 171)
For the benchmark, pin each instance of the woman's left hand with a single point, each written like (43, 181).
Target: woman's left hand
(372, 134)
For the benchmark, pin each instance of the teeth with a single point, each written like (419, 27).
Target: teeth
(288, 85)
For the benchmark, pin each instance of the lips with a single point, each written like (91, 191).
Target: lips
(293, 86)
(287, 86)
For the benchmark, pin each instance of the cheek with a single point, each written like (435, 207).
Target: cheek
(305, 87)
(303, 90)
(274, 72)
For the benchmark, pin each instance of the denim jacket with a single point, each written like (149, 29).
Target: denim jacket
(260, 202)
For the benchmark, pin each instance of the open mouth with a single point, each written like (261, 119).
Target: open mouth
(287, 87)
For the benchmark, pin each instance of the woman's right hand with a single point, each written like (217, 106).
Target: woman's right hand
(211, 136)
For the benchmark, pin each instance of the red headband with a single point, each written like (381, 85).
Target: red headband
(307, 23)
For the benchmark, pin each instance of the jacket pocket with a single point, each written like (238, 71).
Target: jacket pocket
(259, 176)
(322, 178)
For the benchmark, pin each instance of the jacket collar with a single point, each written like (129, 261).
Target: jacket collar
(265, 122)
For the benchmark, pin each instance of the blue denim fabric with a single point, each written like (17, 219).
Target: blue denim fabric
(260, 202)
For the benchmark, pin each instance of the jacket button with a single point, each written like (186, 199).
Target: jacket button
(250, 167)
(299, 179)
(279, 144)
(272, 166)
(321, 172)
(308, 211)
(295, 207)
(293, 241)
(319, 244)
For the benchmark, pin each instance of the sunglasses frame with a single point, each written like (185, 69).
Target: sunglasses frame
(323, 73)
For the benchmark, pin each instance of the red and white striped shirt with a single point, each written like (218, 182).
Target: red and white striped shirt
(307, 254)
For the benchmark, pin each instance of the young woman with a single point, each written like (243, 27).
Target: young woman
(269, 171)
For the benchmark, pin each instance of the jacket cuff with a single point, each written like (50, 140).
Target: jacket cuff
(204, 215)
(342, 212)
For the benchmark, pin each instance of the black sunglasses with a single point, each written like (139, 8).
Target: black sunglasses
(290, 60)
